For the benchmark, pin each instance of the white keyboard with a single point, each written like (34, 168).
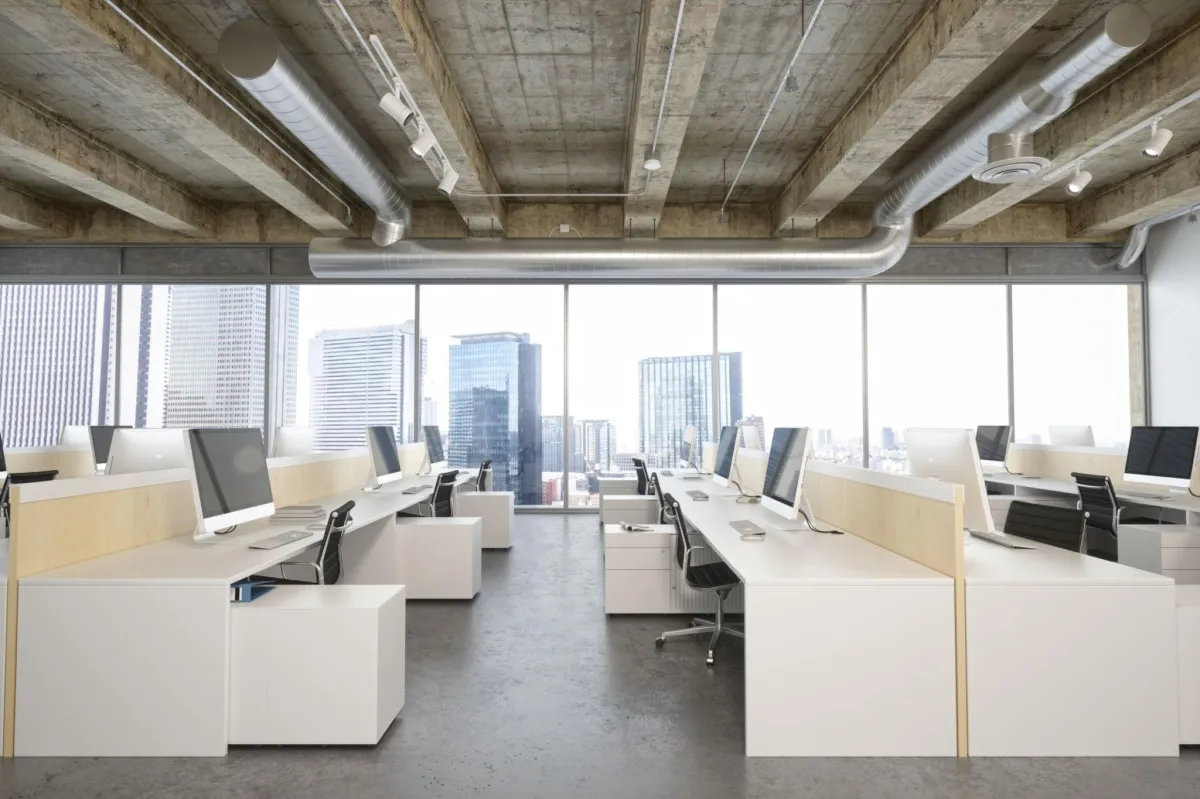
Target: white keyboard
(276, 541)
(1002, 540)
(1143, 495)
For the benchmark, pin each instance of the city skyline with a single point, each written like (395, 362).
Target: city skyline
(675, 392)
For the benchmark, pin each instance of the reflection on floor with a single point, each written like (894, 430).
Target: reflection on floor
(530, 692)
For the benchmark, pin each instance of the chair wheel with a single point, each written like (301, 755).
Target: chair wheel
(658, 642)
(709, 659)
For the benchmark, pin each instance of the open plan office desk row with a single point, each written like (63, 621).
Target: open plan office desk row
(853, 648)
(132, 653)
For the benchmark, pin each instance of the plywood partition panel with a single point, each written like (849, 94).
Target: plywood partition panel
(1035, 460)
(916, 518)
(301, 480)
(68, 462)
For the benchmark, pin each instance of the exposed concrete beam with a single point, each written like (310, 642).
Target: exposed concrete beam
(948, 47)
(1166, 187)
(696, 34)
(92, 28)
(40, 140)
(25, 214)
(1140, 94)
(409, 39)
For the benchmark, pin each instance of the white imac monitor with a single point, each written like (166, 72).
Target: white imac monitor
(230, 483)
(290, 441)
(75, 436)
(433, 445)
(100, 439)
(134, 451)
(750, 437)
(726, 449)
(688, 455)
(385, 460)
(1162, 456)
(951, 456)
(1072, 435)
(991, 441)
(784, 481)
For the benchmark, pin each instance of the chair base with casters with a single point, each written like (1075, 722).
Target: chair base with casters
(715, 626)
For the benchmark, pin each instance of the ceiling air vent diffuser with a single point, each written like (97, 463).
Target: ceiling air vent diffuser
(1010, 160)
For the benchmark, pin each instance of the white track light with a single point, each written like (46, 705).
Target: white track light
(423, 144)
(1079, 182)
(791, 85)
(396, 108)
(449, 178)
(651, 162)
(1159, 139)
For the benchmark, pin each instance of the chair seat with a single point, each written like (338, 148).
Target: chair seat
(711, 576)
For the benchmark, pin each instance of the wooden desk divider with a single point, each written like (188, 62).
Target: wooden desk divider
(304, 478)
(68, 462)
(917, 518)
(1041, 460)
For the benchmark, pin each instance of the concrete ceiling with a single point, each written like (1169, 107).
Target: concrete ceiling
(550, 96)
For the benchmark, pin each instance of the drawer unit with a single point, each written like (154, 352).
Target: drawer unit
(637, 591)
(1183, 576)
(1178, 558)
(658, 558)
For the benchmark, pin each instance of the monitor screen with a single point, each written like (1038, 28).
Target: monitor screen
(231, 470)
(725, 451)
(383, 450)
(433, 443)
(992, 442)
(1162, 452)
(784, 464)
(102, 436)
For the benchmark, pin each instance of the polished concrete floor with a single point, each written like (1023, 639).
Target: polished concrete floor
(530, 692)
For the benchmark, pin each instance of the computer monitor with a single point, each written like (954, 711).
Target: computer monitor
(992, 442)
(726, 449)
(433, 443)
(291, 441)
(142, 450)
(783, 484)
(1161, 455)
(687, 450)
(1072, 435)
(385, 460)
(230, 483)
(100, 438)
(952, 457)
(75, 436)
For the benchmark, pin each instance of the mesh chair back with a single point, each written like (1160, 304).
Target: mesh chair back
(1098, 499)
(484, 478)
(443, 490)
(331, 548)
(682, 542)
(1057, 527)
(643, 478)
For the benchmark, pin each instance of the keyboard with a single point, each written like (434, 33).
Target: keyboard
(699, 496)
(690, 477)
(416, 489)
(276, 541)
(1143, 495)
(1002, 540)
(667, 473)
(747, 528)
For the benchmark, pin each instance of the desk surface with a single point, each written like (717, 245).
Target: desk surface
(991, 564)
(1162, 497)
(790, 557)
(182, 560)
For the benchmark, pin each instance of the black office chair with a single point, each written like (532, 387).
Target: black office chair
(664, 516)
(1065, 528)
(1099, 500)
(327, 568)
(443, 492)
(643, 477)
(483, 480)
(716, 577)
(16, 479)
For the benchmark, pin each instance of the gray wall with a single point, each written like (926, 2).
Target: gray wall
(1173, 266)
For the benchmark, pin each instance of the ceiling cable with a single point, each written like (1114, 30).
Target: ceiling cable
(662, 104)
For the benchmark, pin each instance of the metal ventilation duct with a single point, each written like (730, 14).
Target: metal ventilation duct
(1010, 159)
(1040, 92)
(252, 53)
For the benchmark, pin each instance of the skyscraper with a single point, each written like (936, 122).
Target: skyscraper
(360, 377)
(596, 441)
(495, 410)
(678, 391)
(153, 344)
(552, 443)
(57, 363)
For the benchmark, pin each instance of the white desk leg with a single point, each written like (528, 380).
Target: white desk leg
(375, 554)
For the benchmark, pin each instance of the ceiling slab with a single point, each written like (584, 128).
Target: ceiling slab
(1168, 186)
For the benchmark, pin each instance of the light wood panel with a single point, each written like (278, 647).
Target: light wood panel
(68, 462)
(303, 483)
(921, 528)
(1034, 460)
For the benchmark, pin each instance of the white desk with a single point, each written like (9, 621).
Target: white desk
(128, 654)
(1158, 496)
(849, 647)
(1068, 655)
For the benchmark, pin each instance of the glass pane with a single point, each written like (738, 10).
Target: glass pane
(641, 372)
(493, 382)
(1071, 363)
(193, 355)
(57, 360)
(343, 359)
(801, 353)
(937, 357)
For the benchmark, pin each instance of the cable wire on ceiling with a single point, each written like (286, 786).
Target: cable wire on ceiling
(662, 103)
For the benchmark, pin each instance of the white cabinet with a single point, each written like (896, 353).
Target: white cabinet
(1172, 550)
(1187, 607)
(495, 508)
(641, 575)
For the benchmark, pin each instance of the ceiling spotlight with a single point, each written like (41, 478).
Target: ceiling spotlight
(1079, 182)
(423, 144)
(449, 178)
(1192, 217)
(396, 108)
(651, 162)
(1159, 138)
(791, 85)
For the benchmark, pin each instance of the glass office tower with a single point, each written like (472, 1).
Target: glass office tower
(57, 360)
(678, 391)
(495, 410)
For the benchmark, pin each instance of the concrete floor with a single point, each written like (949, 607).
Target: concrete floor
(530, 692)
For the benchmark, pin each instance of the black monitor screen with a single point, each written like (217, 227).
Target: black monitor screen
(992, 442)
(102, 436)
(1162, 452)
(725, 451)
(231, 470)
(433, 443)
(383, 450)
(784, 464)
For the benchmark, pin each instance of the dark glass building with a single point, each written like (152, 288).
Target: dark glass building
(495, 410)
(678, 391)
